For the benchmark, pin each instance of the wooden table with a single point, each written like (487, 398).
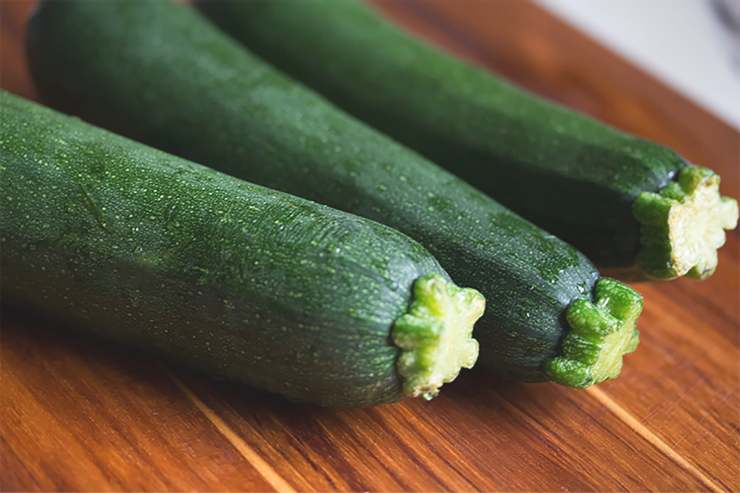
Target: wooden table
(80, 415)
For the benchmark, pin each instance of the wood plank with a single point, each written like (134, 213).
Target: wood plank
(14, 74)
(77, 414)
(351, 438)
(682, 384)
(718, 295)
(480, 434)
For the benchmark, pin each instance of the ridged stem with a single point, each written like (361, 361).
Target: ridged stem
(435, 335)
(601, 333)
(683, 225)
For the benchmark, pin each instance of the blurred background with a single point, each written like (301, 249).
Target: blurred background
(692, 45)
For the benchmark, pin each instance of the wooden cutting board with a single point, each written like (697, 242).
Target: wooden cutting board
(82, 415)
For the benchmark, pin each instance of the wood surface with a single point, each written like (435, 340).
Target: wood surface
(77, 414)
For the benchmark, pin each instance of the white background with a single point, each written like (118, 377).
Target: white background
(681, 42)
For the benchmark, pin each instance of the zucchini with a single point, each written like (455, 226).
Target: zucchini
(217, 104)
(244, 282)
(631, 205)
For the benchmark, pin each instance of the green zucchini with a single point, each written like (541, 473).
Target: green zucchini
(161, 73)
(244, 282)
(631, 205)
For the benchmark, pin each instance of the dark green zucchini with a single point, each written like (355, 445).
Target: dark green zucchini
(244, 282)
(631, 205)
(161, 73)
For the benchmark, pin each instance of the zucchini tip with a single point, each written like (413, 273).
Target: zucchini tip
(683, 225)
(435, 335)
(601, 333)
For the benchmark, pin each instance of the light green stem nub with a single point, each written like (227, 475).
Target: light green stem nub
(601, 332)
(682, 226)
(436, 335)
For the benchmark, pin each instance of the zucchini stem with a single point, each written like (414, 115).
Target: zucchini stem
(601, 333)
(682, 225)
(435, 335)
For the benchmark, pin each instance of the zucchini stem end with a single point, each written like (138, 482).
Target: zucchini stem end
(601, 333)
(683, 225)
(435, 335)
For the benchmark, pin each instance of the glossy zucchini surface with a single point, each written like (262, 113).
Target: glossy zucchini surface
(258, 286)
(162, 73)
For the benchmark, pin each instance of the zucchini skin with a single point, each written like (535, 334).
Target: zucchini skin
(217, 104)
(243, 282)
(570, 174)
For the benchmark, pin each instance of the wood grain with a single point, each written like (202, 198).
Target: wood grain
(82, 415)
(478, 435)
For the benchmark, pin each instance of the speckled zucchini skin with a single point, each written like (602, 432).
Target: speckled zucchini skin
(568, 173)
(165, 75)
(241, 281)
